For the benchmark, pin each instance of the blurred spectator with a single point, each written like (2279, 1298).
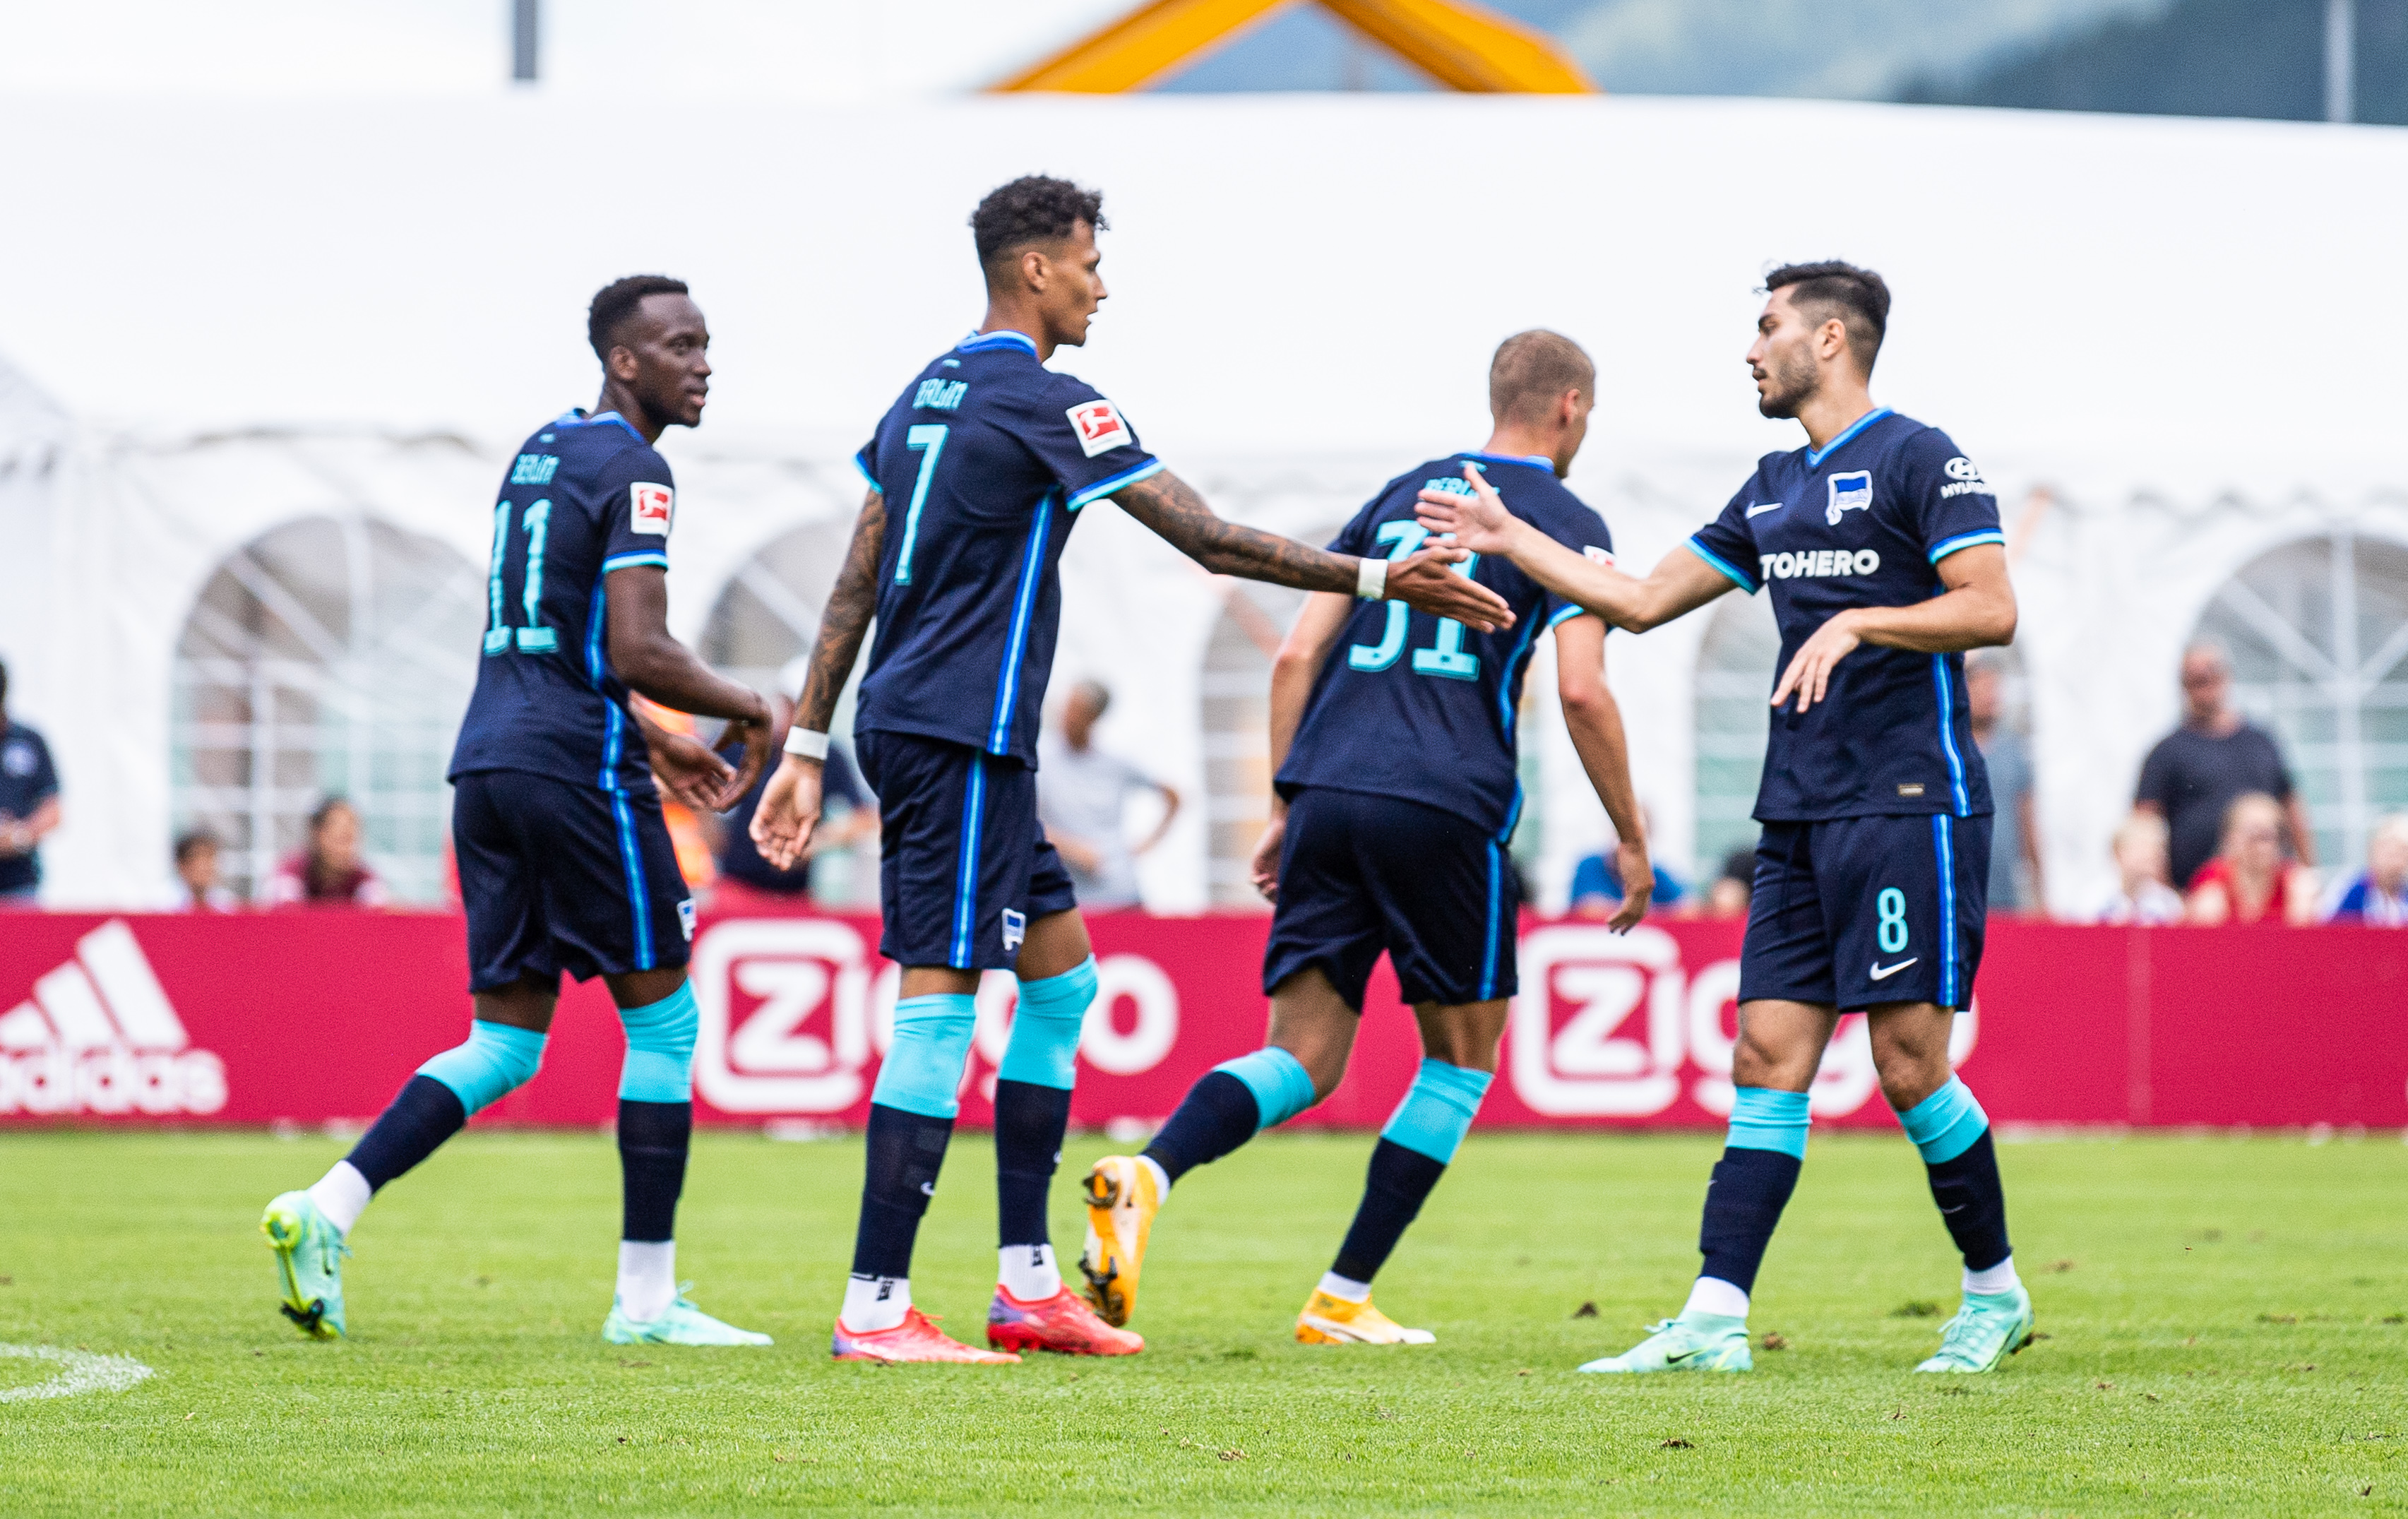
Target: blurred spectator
(2250, 880)
(2377, 895)
(197, 875)
(2193, 775)
(1080, 791)
(2142, 894)
(328, 871)
(1596, 885)
(29, 804)
(2014, 838)
(1731, 891)
(849, 815)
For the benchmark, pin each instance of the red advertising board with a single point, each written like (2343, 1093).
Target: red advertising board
(318, 1017)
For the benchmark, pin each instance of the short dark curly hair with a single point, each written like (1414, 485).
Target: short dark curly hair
(1858, 297)
(1033, 208)
(615, 302)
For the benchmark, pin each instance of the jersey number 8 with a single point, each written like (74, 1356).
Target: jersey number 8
(1445, 656)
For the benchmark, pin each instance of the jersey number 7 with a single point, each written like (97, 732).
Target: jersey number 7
(1445, 655)
(534, 638)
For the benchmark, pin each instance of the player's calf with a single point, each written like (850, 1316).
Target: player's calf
(1952, 1134)
(1228, 1106)
(309, 1231)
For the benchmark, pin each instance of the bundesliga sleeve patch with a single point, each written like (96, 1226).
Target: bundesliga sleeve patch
(647, 508)
(1596, 555)
(1099, 426)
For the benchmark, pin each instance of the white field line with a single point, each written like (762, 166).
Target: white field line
(85, 1372)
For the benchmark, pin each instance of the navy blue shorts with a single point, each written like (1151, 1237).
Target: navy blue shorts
(557, 876)
(963, 868)
(1359, 874)
(1857, 911)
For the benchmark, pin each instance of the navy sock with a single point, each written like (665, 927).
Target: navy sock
(424, 1115)
(1029, 1123)
(1973, 1204)
(1218, 1114)
(906, 1150)
(1393, 1194)
(652, 1142)
(1743, 1203)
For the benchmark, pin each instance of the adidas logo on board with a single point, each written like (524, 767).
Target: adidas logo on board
(98, 1035)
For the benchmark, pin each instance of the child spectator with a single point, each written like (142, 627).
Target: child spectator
(2142, 894)
(329, 871)
(197, 875)
(2250, 880)
(2377, 895)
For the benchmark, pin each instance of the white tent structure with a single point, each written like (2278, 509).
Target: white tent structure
(273, 358)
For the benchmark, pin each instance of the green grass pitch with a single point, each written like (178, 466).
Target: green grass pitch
(2224, 1323)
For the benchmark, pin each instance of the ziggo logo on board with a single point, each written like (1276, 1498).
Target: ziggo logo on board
(794, 1009)
(1624, 1028)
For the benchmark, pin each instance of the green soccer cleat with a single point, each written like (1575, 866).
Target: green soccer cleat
(1988, 1328)
(681, 1323)
(309, 1252)
(1702, 1342)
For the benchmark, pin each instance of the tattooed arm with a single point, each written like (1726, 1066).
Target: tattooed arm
(1171, 508)
(790, 809)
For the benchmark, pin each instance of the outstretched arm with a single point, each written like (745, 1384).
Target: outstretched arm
(1171, 508)
(1595, 720)
(790, 808)
(657, 666)
(1293, 670)
(1681, 583)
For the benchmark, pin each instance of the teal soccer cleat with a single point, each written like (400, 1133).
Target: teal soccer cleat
(1988, 1328)
(1707, 1343)
(309, 1252)
(681, 1323)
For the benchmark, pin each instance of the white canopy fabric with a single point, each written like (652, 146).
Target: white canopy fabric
(249, 313)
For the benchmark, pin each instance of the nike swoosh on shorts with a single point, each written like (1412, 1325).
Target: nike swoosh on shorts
(1885, 972)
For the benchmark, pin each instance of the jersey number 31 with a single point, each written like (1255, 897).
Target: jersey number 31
(1445, 656)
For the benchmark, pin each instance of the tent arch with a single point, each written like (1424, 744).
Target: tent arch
(333, 654)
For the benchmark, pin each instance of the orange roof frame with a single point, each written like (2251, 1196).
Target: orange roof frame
(1462, 45)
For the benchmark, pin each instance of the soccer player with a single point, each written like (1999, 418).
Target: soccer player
(987, 458)
(1396, 798)
(565, 863)
(1880, 544)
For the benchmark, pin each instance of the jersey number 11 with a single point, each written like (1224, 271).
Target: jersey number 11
(534, 638)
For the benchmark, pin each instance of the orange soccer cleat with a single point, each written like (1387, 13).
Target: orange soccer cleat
(1063, 1324)
(916, 1338)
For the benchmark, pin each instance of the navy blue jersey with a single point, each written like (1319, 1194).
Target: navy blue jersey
(1862, 523)
(984, 461)
(1420, 707)
(586, 496)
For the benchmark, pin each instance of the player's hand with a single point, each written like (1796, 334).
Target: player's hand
(1427, 581)
(1810, 670)
(1267, 857)
(684, 767)
(1638, 885)
(1083, 856)
(1478, 521)
(762, 737)
(789, 811)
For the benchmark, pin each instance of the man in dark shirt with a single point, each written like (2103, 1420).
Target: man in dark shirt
(2216, 754)
(29, 804)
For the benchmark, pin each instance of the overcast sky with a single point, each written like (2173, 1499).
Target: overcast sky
(815, 48)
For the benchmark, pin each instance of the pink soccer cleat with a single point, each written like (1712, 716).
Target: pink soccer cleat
(916, 1338)
(1063, 1324)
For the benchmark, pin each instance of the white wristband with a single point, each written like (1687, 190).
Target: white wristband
(1371, 580)
(810, 745)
